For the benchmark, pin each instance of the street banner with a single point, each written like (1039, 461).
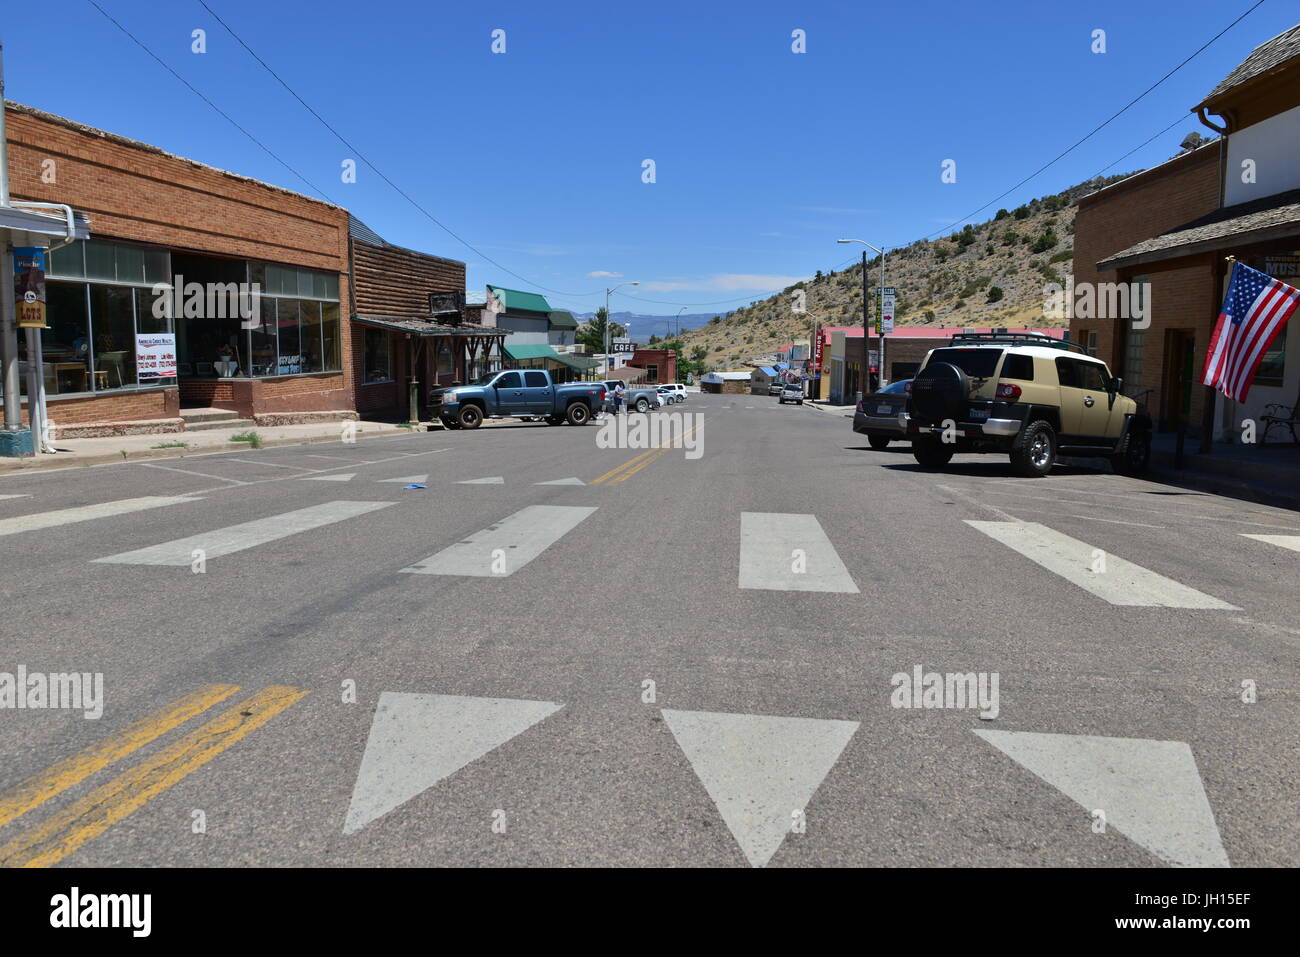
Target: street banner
(155, 355)
(887, 310)
(29, 287)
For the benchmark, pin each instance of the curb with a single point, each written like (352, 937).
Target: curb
(1220, 485)
(46, 463)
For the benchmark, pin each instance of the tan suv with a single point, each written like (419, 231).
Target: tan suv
(1027, 395)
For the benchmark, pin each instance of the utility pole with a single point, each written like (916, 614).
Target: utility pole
(607, 320)
(16, 440)
(866, 317)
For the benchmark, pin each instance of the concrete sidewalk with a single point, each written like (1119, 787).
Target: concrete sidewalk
(1269, 474)
(826, 406)
(131, 448)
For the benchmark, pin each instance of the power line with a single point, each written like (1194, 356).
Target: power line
(1101, 126)
(267, 150)
(380, 173)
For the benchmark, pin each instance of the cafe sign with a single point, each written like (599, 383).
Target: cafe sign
(29, 286)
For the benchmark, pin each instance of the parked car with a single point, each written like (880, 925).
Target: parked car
(516, 393)
(792, 393)
(669, 396)
(775, 387)
(876, 416)
(1025, 395)
(677, 389)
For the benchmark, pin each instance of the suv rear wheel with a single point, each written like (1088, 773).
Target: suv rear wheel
(1034, 452)
(1134, 453)
(930, 453)
(878, 442)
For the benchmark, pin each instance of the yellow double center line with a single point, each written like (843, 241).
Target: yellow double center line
(630, 468)
(87, 818)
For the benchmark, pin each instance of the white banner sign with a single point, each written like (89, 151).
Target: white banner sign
(155, 355)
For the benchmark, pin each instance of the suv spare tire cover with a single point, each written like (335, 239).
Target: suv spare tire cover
(939, 392)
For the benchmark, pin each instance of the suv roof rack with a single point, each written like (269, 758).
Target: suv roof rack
(1015, 338)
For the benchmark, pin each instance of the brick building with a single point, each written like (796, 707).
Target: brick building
(153, 216)
(1175, 226)
(660, 364)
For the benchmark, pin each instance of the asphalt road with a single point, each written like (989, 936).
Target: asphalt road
(501, 638)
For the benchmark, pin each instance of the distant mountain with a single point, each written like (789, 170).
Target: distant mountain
(644, 326)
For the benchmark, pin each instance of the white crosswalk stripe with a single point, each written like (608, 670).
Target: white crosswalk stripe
(1117, 581)
(83, 513)
(504, 548)
(237, 538)
(785, 552)
(1284, 541)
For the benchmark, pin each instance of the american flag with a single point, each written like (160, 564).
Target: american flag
(1255, 310)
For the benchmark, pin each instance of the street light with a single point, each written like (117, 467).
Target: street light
(866, 321)
(677, 322)
(607, 320)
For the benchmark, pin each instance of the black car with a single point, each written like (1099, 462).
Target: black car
(876, 416)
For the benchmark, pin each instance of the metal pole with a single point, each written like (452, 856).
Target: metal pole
(9, 333)
(607, 333)
(866, 329)
(883, 380)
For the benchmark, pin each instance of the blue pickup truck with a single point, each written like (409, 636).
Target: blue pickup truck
(516, 393)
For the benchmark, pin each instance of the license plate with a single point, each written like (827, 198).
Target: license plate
(884, 409)
(978, 414)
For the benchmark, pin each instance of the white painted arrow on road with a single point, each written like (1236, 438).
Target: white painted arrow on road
(564, 481)
(1149, 790)
(759, 769)
(491, 480)
(344, 477)
(416, 740)
(407, 480)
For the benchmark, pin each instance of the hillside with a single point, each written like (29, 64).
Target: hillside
(988, 274)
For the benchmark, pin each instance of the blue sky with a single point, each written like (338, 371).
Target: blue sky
(763, 157)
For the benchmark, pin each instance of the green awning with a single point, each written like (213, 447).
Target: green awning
(530, 352)
(513, 299)
(580, 363)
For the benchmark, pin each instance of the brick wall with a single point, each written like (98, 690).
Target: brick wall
(136, 192)
(1142, 207)
(115, 407)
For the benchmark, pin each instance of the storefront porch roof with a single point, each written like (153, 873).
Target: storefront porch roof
(427, 327)
(1260, 220)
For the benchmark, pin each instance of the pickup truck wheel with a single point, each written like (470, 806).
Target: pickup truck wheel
(470, 417)
(450, 424)
(878, 442)
(1034, 452)
(1134, 453)
(930, 453)
(578, 414)
(643, 404)
(554, 420)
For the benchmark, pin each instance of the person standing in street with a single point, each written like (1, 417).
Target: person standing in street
(618, 398)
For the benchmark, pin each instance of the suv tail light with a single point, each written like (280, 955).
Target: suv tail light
(907, 387)
(860, 408)
(1007, 390)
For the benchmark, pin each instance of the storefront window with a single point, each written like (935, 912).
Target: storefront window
(312, 346)
(376, 360)
(289, 313)
(263, 354)
(65, 345)
(1272, 368)
(330, 336)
